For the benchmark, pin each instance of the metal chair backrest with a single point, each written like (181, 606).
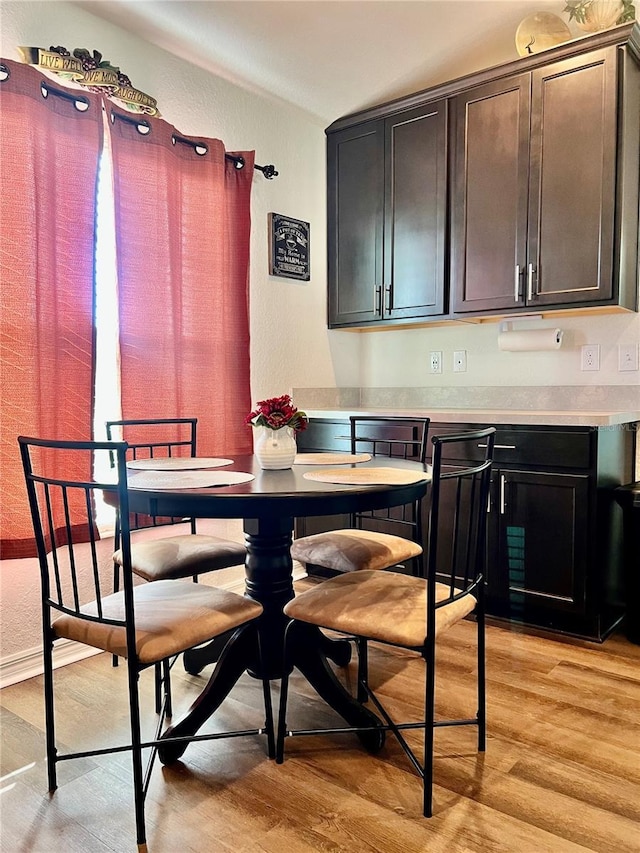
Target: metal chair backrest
(459, 496)
(150, 438)
(390, 436)
(154, 438)
(74, 568)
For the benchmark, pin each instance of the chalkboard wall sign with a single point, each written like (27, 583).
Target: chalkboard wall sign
(288, 247)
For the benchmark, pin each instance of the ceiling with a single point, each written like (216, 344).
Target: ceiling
(330, 57)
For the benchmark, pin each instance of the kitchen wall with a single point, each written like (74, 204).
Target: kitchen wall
(390, 361)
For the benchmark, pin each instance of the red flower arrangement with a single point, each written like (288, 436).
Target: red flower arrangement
(278, 412)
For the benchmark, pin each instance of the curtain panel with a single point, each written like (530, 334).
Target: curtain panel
(183, 227)
(49, 150)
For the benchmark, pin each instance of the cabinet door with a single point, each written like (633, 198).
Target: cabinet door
(355, 190)
(540, 524)
(572, 190)
(489, 205)
(415, 212)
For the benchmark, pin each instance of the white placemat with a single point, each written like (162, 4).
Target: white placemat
(368, 476)
(177, 463)
(330, 458)
(187, 479)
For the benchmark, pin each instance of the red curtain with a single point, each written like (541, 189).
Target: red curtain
(49, 151)
(183, 227)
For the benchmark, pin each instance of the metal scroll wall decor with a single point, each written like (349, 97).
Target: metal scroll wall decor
(89, 71)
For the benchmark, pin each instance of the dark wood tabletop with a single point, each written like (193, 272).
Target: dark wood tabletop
(284, 493)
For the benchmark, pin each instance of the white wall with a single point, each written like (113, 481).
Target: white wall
(402, 359)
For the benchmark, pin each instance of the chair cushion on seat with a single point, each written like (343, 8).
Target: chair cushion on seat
(171, 616)
(353, 550)
(182, 556)
(385, 606)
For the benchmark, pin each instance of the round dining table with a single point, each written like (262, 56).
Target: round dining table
(268, 504)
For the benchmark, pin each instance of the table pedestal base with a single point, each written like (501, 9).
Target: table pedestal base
(268, 571)
(306, 654)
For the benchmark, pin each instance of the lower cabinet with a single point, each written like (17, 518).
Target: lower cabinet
(538, 537)
(554, 540)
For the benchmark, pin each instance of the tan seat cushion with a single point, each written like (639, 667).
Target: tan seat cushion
(385, 606)
(182, 556)
(353, 550)
(171, 616)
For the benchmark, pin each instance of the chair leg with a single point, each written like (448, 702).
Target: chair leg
(116, 571)
(363, 669)
(166, 667)
(268, 706)
(429, 727)
(116, 587)
(49, 707)
(482, 699)
(136, 753)
(162, 684)
(284, 691)
(157, 679)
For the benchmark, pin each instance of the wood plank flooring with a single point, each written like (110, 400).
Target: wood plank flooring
(561, 771)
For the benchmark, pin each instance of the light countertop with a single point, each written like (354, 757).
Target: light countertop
(494, 416)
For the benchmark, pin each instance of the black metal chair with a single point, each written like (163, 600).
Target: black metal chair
(169, 557)
(412, 612)
(380, 539)
(147, 624)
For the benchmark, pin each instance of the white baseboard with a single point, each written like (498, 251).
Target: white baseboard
(28, 663)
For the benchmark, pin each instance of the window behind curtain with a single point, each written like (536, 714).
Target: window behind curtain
(183, 227)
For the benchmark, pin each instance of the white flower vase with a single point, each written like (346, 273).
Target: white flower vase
(275, 449)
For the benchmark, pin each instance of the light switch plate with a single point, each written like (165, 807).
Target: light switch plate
(628, 357)
(460, 361)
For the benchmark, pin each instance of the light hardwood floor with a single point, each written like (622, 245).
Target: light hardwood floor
(561, 771)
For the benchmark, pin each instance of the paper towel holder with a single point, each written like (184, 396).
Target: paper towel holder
(528, 340)
(507, 325)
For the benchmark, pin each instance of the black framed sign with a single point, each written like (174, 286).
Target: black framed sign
(288, 247)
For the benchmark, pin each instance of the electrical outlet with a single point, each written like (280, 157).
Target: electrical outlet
(460, 361)
(590, 357)
(435, 361)
(627, 356)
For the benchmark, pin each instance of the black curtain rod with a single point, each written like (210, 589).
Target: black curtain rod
(268, 171)
(143, 127)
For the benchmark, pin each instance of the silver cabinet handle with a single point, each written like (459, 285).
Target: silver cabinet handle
(516, 284)
(377, 301)
(503, 503)
(530, 274)
(387, 299)
(501, 446)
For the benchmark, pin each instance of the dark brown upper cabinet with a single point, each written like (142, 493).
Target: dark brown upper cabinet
(534, 206)
(355, 170)
(387, 186)
(513, 190)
